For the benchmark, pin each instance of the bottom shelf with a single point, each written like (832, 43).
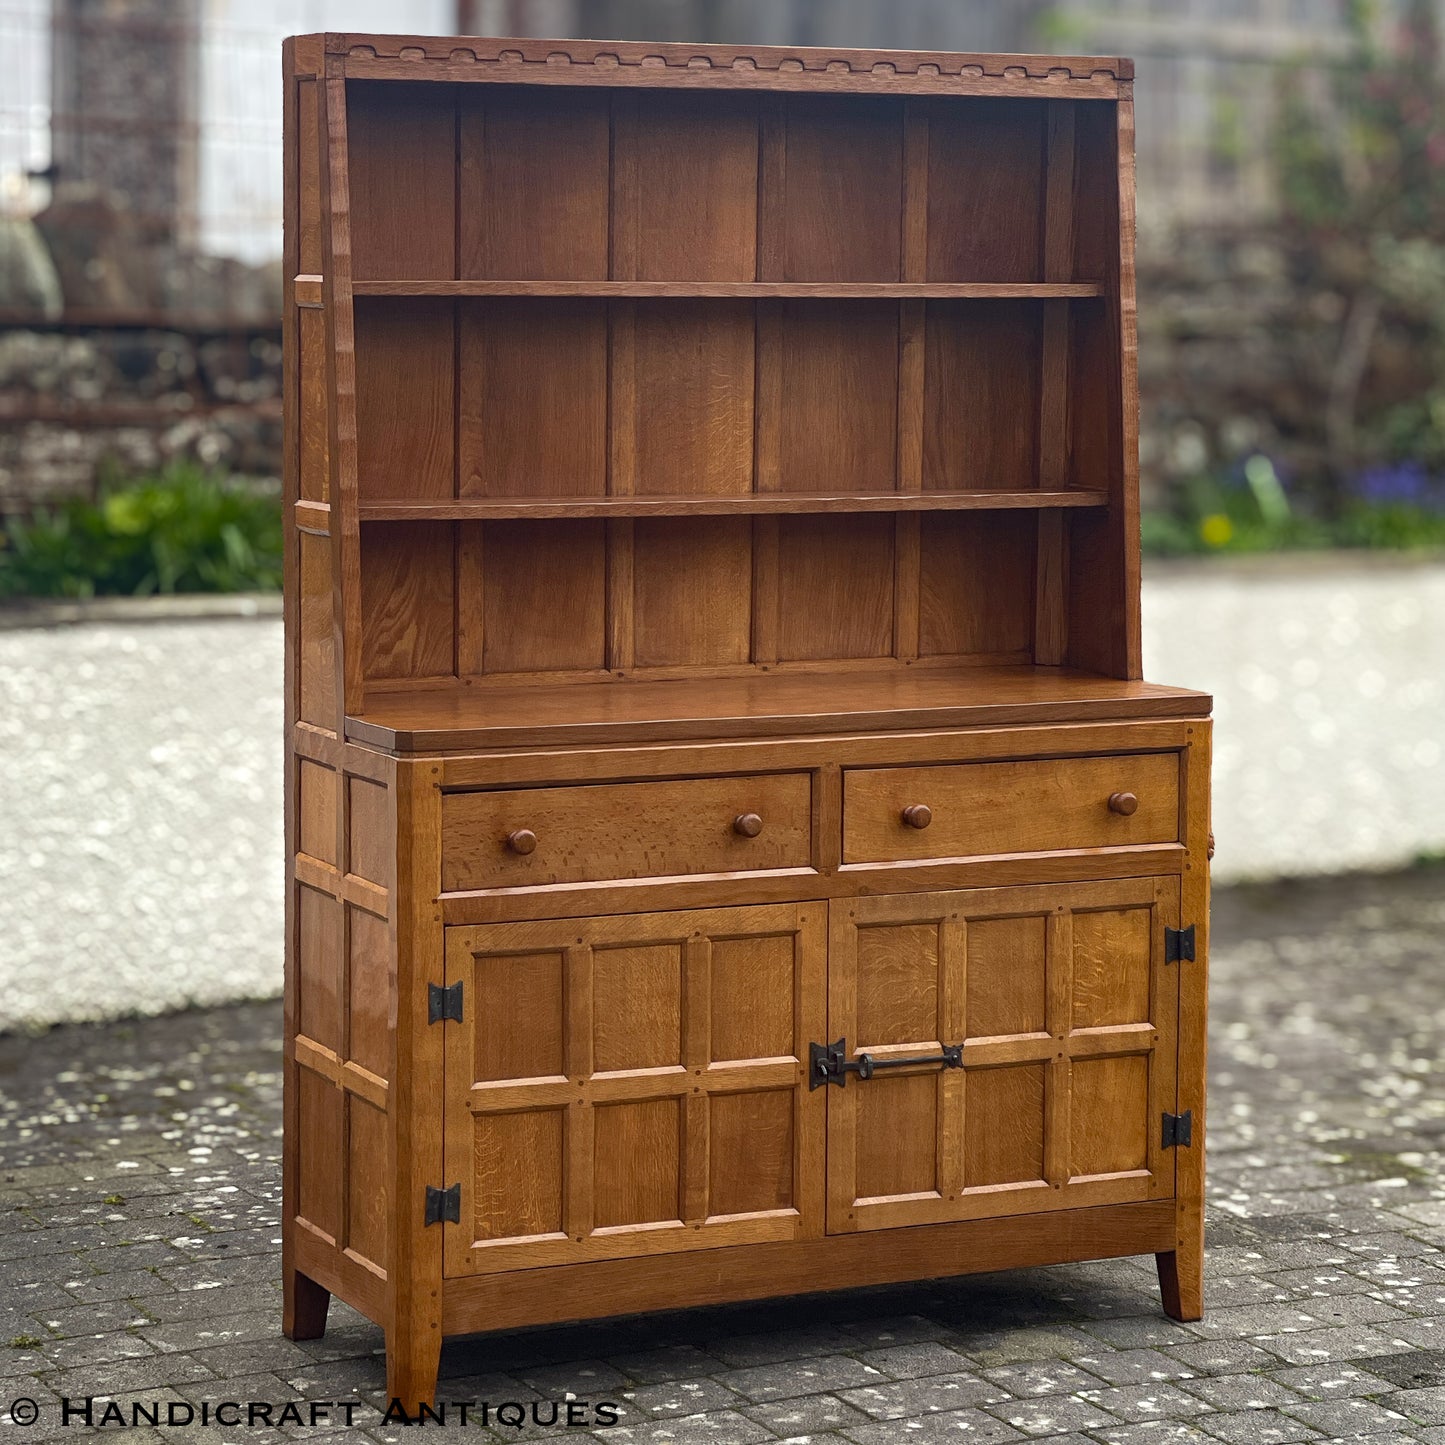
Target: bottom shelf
(481, 714)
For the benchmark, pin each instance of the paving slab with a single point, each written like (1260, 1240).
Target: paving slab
(139, 1253)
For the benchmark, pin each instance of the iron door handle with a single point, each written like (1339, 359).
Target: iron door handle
(830, 1064)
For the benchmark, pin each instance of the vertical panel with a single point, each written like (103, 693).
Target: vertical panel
(518, 1004)
(976, 583)
(838, 423)
(693, 398)
(692, 213)
(368, 989)
(401, 156)
(319, 962)
(1004, 1126)
(700, 613)
(517, 1190)
(318, 798)
(405, 401)
(835, 586)
(315, 462)
(317, 643)
(366, 1150)
(843, 186)
(1006, 976)
(981, 400)
(1112, 966)
(636, 1007)
(407, 605)
(751, 1152)
(533, 388)
(985, 175)
(533, 182)
(897, 1136)
(320, 1147)
(308, 192)
(371, 845)
(1109, 1115)
(751, 997)
(897, 983)
(544, 588)
(637, 1164)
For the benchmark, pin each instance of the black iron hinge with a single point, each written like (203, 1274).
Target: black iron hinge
(1178, 1130)
(444, 1003)
(1179, 944)
(444, 1204)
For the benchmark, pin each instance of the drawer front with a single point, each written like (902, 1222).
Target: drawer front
(625, 830)
(1036, 806)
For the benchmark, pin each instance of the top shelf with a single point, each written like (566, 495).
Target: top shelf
(782, 290)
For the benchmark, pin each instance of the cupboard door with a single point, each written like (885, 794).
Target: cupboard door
(633, 1085)
(1066, 1012)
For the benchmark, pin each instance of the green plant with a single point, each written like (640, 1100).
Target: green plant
(1250, 510)
(1360, 153)
(185, 530)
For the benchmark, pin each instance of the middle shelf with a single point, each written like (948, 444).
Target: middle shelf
(756, 290)
(746, 504)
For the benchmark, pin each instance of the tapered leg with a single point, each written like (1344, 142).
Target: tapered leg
(304, 1306)
(413, 1358)
(1181, 1282)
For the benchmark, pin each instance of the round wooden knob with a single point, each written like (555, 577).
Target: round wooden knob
(747, 825)
(917, 815)
(1125, 804)
(1209, 851)
(524, 840)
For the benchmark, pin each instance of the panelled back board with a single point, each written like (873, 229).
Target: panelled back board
(726, 819)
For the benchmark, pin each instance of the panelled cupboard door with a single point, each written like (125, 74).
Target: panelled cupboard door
(1066, 1012)
(632, 1085)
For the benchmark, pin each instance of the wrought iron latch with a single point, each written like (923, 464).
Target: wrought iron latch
(1179, 944)
(1178, 1131)
(444, 1003)
(830, 1064)
(444, 1204)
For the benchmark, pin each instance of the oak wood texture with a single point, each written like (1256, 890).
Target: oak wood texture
(626, 830)
(1066, 1014)
(1013, 807)
(711, 630)
(761, 290)
(635, 1085)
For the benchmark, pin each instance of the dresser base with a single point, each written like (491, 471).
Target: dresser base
(748, 1272)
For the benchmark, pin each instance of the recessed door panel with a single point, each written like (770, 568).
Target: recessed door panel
(633, 1085)
(1063, 1013)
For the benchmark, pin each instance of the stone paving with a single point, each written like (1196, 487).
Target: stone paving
(140, 1180)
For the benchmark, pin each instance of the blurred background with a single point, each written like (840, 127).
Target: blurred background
(1291, 190)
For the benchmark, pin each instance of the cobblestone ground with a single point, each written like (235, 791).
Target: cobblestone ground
(140, 1180)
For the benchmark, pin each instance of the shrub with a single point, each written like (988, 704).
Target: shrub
(1251, 510)
(185, 530)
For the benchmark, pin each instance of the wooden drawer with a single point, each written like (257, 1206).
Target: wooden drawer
(625, 830)
(1037, 806)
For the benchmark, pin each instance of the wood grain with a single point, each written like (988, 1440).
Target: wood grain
(625, 831)
(1049, 804)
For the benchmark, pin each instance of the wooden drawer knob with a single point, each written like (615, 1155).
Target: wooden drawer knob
(747, 825)
(524, 840)
(1125, 804)
(917, 815)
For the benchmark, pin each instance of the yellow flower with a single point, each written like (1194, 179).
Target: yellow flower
(1216, 529)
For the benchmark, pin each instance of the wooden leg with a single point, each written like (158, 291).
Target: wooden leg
(413, 1358)
(304, 1306)
(1181, 1282)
